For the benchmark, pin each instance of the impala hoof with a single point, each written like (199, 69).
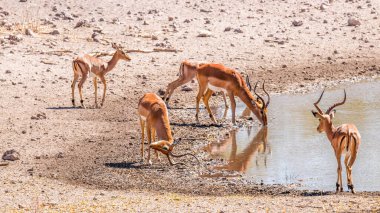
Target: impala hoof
(351, 187)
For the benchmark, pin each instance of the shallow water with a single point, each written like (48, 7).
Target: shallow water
(291, 151)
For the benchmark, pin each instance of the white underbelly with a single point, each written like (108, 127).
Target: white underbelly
(143, 118)
(216, 89)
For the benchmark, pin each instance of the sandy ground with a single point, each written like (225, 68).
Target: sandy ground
(88, 160)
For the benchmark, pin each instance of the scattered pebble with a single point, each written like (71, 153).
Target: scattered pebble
(204, 33)
(353, 22)
(11, 155)
(297, 23)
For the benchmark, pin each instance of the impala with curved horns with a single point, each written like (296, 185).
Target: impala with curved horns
(216, 77)
(344, 139)
(154, 116)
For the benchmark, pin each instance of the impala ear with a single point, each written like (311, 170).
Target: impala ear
(332, 114)
(316, 114)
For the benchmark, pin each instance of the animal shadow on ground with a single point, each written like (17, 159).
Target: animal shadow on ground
(196, 125)
(132, 165)
(63, 108)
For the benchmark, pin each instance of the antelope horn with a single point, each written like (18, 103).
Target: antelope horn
(337, 104)
(248, 83)
(178, 156)
(316, 103)
(267, 104)
(262, 100)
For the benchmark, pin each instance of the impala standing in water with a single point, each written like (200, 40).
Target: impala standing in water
(345, 139)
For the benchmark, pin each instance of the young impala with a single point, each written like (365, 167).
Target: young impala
(154, 116)
(187, 72)
(345, 139)
(216, 77)
(90, 65)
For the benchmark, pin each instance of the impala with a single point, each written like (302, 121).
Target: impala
(154, 116)
(187, 72)
(90, 65)
(345, 139)
(215, 78)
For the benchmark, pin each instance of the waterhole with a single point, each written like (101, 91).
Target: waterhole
(291, 151)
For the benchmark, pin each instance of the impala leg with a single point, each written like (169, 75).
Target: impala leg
(206, 98)
(233, 106)
(170, 89)
(96, 91)
(339, 186)
(76, 76)
(346, 160)
(201, 92)
(154, 139)
(80, 86)
(142, 125)
(149, 136)
(349, 170)
(104, 89)
(225, 100)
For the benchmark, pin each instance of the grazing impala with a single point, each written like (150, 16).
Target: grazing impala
(187, 72)
(90, 65)
(216, 77)
(154, 116)
(345, 139)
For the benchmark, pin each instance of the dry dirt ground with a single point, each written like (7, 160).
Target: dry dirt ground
(85, 160)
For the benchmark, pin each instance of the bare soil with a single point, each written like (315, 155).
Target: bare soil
(89, 159)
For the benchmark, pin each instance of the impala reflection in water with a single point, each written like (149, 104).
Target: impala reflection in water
(293, 152)
(240, 160)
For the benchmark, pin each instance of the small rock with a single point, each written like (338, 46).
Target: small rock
(115, 20)
(204, 33)
(60, 155)
(238, 30)
(323, 6)
(170, 18)
(29, 32)
(11, 155)
(161, 92)
(16, 38)
(186, 88)
(54, 32)
(227, 29)
(82, 23)
(353, 22)
(23, 0)
(297, 23)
